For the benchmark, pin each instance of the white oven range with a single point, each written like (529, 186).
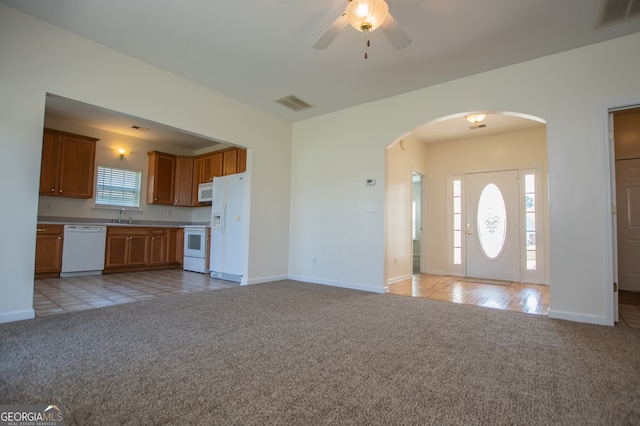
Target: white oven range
(195, 249)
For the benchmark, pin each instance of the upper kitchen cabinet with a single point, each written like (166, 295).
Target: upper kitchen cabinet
(184, 181)
(222, 163)
(161, 178)
(211, 166)
(68, 164)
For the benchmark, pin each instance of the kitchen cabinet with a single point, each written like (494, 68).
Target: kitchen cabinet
(136, 248)
(126, 246)
(180, 246)
(222, 163)
(67, 165)
(161, 178)
(174, 245)
(157, 246)
(211, 166)
(49, 240)
(242, 161)
(229, 162)
(183, 186)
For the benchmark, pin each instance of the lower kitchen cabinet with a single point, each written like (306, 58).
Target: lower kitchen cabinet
(126, 246)
(141, 248)
(157, 246)
(49, 239)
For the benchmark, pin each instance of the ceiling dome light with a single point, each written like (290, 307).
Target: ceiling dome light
(367, 15)
(475, 118)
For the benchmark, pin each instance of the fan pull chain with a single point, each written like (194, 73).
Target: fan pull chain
(368, 44)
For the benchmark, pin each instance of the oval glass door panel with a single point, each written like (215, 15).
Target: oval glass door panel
(491, 221)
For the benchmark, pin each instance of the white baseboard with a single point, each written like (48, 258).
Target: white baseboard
(398, 279)
(265, 280)
(352, 286)
(578, 317)
(17, 315)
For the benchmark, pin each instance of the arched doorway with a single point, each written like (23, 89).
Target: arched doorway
(457, 155)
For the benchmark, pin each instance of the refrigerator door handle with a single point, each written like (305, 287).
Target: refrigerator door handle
(223, 215)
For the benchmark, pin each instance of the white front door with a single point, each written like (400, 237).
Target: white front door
(492, 225)
(628, 213)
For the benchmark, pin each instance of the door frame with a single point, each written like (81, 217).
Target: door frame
(610, 205)
(539, 276)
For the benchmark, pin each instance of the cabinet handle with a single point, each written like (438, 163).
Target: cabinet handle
(60, 190)
(59, 238)
(53, 190)
(42, 229)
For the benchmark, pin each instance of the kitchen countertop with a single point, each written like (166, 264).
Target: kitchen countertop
(107, 222)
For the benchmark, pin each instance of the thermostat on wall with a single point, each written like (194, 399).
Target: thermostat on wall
(370, 182)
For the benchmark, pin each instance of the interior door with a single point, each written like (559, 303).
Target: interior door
(492, 225)
(628, 221)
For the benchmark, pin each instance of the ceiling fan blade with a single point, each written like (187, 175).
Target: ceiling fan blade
(325, 39)
(394, 33)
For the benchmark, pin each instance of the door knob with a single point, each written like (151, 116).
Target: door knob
(469, 232)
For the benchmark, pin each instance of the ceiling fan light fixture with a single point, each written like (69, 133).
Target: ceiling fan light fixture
(475, 118)
(367, 15)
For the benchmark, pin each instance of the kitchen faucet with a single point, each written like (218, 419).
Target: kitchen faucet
(120, 215)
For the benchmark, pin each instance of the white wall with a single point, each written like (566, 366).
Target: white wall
(38, 58)
(333, 154)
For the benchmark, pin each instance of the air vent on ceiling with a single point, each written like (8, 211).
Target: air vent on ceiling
(142, 129)
(293, 102)
(617, 11)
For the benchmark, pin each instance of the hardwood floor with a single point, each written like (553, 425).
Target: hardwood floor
(521, 297)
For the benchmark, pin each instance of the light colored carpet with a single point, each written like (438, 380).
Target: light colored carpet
(301, 354)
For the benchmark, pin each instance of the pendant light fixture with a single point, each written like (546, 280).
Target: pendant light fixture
(475, 118)
(366, 15)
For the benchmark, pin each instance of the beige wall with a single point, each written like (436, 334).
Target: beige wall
(514, 150)
(403, 158)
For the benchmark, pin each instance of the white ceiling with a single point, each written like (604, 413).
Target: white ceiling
(259, 50)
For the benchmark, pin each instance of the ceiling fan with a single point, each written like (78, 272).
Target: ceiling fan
(366, 16)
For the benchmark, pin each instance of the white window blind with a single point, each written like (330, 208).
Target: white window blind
(118, 187)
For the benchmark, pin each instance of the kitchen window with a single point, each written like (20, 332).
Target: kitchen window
(118, 187)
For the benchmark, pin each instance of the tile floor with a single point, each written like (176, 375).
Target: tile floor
(57, 295)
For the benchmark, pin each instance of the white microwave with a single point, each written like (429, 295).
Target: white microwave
(205, 192)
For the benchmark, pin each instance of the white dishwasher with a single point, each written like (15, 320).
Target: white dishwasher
(83, 250)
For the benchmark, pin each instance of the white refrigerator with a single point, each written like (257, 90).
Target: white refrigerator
(227, 228)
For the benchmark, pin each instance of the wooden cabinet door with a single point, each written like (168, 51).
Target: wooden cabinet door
(211, 167)
(49, 249)
(184, 182)
(138, 254)
(160, 184)
(242, 160)
(230, 162)
(116, 251)
(77, 165)
(180, 246)
(50, 164)
(157, 247)
(172, 245)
